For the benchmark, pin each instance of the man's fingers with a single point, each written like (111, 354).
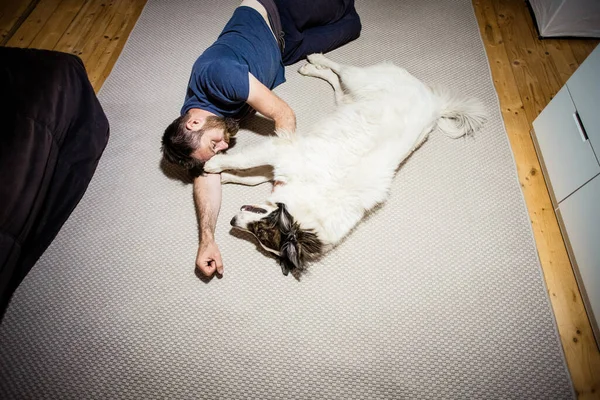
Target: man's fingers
(209, 260)
(218, 263)
(207, 268)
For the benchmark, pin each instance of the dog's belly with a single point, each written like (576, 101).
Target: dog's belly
(331, 211)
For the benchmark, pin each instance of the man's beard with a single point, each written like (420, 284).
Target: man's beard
(229, 125)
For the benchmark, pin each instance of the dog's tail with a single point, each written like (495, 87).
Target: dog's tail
(459, 116)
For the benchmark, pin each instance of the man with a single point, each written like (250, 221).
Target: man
(233, 78)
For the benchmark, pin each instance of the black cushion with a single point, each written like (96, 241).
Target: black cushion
(53, 132)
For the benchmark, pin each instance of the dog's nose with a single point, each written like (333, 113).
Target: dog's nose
(233, 221)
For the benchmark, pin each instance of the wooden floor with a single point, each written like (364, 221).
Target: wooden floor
(95, 30)
(527, 73)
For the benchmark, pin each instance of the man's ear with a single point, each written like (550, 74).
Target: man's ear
(194, 123)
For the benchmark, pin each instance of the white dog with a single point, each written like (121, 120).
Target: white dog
(326, 179)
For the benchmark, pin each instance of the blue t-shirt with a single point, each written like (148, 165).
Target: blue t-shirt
(219, 80)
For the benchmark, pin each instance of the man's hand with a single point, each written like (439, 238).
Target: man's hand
(207, 195)
(209, 258)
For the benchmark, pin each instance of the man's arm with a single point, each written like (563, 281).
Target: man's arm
(263, 100)
(207, 197)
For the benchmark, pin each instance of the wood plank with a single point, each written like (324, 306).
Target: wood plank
(132, 16)
(115, 36)
(581, 353)
(79, 28)
(100, 58)
(32, 26)
(582, 48)
(95, 30)
(12, 15)
(563, 61)
(89, 42)
(57, 24)
(536, 75)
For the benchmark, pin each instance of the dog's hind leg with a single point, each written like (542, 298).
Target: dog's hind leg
(327, 75)
(352, 80)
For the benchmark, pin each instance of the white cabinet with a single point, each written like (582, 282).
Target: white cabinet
(580, 214)
(566, 150)
(567, 140)
(584, 86)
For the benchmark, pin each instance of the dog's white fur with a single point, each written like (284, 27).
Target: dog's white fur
(344, 166)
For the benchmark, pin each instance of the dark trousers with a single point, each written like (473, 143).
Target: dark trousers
(316, 26)
(52, 136)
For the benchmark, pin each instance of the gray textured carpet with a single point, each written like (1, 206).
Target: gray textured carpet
(437, 294)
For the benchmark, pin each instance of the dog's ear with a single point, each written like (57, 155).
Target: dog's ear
(296, 244)
(290, 255)
(288, 250)
(285, 219)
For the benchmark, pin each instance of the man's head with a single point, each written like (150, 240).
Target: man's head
(195, 137)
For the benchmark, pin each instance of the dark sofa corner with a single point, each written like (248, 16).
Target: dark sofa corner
(53, 134)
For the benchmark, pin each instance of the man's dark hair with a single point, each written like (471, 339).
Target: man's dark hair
(179, 142)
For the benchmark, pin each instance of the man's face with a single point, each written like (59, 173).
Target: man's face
(211, 142)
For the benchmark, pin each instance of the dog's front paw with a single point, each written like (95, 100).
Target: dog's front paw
(307, 70)
(318, 60)
(214, 165)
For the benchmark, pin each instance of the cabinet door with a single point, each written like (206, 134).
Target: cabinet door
(567, 156)
(584, 86)
(580, 214)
